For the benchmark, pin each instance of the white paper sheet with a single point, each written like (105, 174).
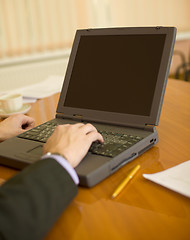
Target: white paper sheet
(176, 178)
(46, 88)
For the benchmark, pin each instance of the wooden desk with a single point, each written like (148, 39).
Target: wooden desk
(144, 210)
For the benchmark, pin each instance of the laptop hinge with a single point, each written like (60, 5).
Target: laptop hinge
(149, 127)
(74, 116)
(77, 116)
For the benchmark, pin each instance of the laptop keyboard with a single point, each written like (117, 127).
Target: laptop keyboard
(40, 133)
(114, 143)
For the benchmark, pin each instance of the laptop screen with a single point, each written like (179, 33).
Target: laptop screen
(116, 73)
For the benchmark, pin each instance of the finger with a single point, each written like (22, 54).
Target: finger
(28, 123)
(87, 128)
(28, 120)
(27, 127)
(78, 125)
(95, 136)
(62, 127)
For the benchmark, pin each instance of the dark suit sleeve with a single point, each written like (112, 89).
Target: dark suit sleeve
(32, 201)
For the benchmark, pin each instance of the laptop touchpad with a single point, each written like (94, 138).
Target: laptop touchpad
(36, 151)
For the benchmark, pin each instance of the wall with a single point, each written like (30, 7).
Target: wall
(152, 12)
(32, 27)
(29, 26)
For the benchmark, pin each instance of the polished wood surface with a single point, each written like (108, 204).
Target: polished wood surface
(144, 210)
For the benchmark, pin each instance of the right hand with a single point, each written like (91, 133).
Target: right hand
(72, 141)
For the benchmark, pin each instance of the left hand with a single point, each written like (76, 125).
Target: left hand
(15, 125)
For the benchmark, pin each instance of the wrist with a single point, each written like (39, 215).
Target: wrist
(55, 153)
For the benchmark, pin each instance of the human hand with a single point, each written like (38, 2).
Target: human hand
(14, 125)
(72, 141)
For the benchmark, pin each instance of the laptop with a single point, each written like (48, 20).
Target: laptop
(115, 79)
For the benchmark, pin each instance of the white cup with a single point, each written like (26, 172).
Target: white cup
(11, 102)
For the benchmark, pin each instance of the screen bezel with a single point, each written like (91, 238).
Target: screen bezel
(120, 118)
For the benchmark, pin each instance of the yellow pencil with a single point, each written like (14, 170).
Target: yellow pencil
(125, 181)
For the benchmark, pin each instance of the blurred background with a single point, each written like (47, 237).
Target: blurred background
(36, 35)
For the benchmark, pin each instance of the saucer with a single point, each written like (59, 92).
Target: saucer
(25, 108)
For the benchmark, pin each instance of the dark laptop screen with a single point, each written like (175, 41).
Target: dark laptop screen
(116, 73)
